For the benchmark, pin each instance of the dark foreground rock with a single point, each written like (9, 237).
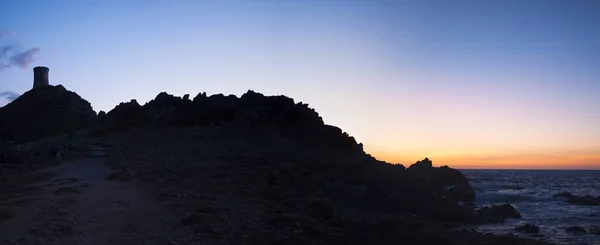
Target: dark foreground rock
(275, 190)
(455, 184)
(496, 214)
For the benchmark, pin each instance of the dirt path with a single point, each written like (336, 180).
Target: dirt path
(75, 203)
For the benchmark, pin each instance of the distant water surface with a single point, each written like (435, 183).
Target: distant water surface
(530, 191)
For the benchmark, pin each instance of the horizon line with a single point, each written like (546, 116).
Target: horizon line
(535, 169)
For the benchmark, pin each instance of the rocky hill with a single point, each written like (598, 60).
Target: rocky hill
(265, 170)
(44, 112)
(268, 163)
(252, 109)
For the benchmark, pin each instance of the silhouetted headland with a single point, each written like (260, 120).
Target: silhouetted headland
(250, 170)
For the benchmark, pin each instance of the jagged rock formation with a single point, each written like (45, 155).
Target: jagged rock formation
(296, 120)
(361, 181)
(452, 180)
(44, 112)
(276, 173)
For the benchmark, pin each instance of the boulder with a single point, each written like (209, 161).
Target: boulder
(528, 228)
(451, 182)
(575, 229)
(496, 214)
(586, 200)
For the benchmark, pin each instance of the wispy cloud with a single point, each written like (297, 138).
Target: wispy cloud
(6, 50)
(12, 55)
(25, 59)
(9, 95)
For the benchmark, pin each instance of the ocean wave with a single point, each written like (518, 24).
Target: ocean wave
(495, 186)
(531, 192)
(502, 197)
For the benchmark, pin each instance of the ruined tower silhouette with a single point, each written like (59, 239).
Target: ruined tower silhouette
(40, 77)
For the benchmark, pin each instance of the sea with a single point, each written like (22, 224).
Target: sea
(531, 192)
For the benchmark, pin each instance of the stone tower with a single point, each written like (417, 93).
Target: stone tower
(40, 77)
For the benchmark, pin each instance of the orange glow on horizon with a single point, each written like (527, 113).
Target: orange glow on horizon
(583, 160)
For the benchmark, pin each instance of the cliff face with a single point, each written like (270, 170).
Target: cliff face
(44, 112)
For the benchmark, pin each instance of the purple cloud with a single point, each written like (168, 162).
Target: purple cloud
(9, 95)
(12, 55)
(6, 50)
(26, 58)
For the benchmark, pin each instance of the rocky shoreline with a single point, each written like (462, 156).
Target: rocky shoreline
(266, 170)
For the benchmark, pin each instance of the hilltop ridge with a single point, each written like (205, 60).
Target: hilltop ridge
(44, 112)
(250, 110)
(266, 163)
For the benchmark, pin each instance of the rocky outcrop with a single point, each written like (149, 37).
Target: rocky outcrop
(252, 109)
(496, 214)
(364, 182)
(44, 112)
(422, 189)
(125, 116)
(452, 183)
(269, 161)
(586, 200)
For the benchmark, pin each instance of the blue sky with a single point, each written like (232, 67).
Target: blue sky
(408, 78)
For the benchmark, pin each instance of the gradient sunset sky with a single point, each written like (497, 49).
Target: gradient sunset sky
(471, 84)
